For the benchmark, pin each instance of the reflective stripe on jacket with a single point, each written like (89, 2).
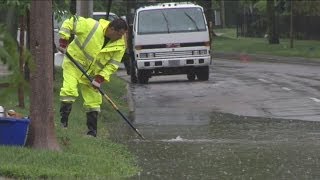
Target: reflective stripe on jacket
(87, 44)
(109, 59)
(88, 39)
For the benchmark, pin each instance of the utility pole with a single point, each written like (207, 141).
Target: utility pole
(85, 8)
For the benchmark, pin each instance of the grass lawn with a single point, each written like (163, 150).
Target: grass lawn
(228, 42)
(81, 157)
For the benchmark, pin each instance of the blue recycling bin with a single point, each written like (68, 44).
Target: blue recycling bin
(13, 132)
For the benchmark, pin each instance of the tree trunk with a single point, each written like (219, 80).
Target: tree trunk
(207, 7)
(21, 60)
(291, 25)
(108, 9)
(85, 8)
(273, 34)
(210, 20)
(223, 14)
(26, 64)
(130, 14)
(42, 131)
(11, 21)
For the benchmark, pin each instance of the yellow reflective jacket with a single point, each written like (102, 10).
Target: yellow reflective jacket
(86, 47)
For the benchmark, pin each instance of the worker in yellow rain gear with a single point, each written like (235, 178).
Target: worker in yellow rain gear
(98, 46)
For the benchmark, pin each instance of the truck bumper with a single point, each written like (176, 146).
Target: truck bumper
(175, 62)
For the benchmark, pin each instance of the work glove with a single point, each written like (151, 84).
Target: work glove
(97, 81)
(63, 44)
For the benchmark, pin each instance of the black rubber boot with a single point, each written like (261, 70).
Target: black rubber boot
(65, 110)
(92, 119)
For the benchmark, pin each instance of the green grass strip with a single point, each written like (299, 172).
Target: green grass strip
(81, 157)
(226, 41)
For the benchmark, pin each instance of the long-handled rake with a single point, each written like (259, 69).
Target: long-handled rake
(104, 94)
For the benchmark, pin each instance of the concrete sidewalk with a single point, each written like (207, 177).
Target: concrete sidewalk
(266, 58)
(3, 69)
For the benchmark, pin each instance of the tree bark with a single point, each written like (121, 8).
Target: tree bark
(223, 14)
(21, 60)
(273, 34)
(207, 8)
(85, 8)
(210, 20)
(291, 24)
(11, 21)
(42, 131)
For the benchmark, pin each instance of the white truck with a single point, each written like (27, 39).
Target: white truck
(169, 39)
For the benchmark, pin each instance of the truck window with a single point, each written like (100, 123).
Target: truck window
(171, 20)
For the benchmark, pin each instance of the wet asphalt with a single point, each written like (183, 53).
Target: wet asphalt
(251, 120)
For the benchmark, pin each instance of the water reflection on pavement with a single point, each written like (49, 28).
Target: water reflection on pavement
(229, 147)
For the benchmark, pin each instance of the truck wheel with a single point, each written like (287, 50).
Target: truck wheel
(143, 77)
(203, 73)
(191, 76)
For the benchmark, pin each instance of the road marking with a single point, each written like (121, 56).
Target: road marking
(263, 80)
(315, 99)
(285, 88)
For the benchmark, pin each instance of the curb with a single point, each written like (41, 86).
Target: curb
(121, 73)
(267, 58)
(130, 102)
(129, 97)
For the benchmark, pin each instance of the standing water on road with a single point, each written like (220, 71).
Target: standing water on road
(191, 135)
(228, 147)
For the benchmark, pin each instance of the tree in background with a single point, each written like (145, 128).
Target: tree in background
(16, 12)
(16, 20)
(306, 7)
(208, 10)
(10, 55)
(118, 7)
(223, 14)
(272, 21)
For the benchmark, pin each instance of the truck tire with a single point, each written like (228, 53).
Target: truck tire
(142, 77)
(203, 73)
(191, 76)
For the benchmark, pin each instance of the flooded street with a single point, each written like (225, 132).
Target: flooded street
(231, 147)
(249, 121)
